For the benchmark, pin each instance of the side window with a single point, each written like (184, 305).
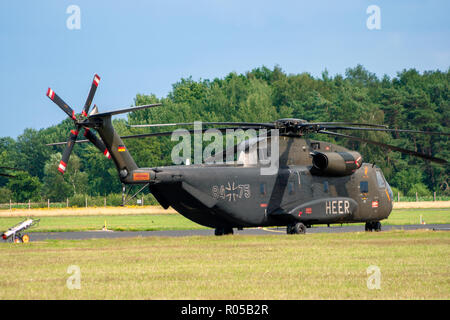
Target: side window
(325, 186)
(291, 187)
(364, 187)
(263, 154)
(262, 189)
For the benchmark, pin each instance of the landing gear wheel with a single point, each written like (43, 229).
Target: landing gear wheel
(223, 231)
(289, 229)
(377, 226)
(25, 238)
(228, 231)
(298, 228)
(373, 226)
(18, 239)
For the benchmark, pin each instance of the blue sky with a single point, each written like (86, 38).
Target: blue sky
(146, 46)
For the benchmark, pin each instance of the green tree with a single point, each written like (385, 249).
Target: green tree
(55, 187)
(25, 187)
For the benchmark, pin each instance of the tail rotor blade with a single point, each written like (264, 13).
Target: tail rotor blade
(91, 94)
(56, 99)
(68, 150)
(97, 142)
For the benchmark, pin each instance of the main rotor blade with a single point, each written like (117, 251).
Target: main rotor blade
(10, 168)
(111, 113)
(169, 133)
(56, 99)
(91, 94)
(68, 150)
(246, 124)
(346, 123)
(388, 130)
(7, 175)
(154, 134)
(383, 145)
(97, 142)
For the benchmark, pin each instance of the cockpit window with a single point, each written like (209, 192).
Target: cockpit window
(315, 145)
(380, 180)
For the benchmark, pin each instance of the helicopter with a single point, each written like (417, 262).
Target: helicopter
(312, 183)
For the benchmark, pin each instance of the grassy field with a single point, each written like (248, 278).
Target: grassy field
(412, 216)
(116, 223)
(173, 221)
(413, 265)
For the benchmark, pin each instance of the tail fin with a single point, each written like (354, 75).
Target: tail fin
(122, 158)
(119, 153)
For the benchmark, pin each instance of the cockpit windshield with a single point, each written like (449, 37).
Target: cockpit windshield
(380, 180)
(383, 184)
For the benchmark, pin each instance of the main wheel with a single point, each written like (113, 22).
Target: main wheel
(299, 228)
(220, 231)
(369, 226)
(289, 229)
(25, 238)
(377, 226)
(228, 231)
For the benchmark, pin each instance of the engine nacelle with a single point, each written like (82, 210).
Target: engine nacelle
(337, 163)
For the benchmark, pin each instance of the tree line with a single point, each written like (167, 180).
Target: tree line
(410, 100)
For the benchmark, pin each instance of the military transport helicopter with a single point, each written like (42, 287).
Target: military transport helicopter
(315, 182)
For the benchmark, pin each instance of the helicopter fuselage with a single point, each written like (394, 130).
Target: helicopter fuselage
(230, 196)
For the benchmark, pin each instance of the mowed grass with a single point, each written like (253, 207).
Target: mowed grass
(413, 265)
(174, 221)
(412, 216)
(152, 222)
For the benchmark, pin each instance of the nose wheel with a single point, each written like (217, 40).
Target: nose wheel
(373, 226)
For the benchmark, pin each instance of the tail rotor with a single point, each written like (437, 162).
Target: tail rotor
(78, 121)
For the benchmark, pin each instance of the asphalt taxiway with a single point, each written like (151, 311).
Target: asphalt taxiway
(40, 236)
